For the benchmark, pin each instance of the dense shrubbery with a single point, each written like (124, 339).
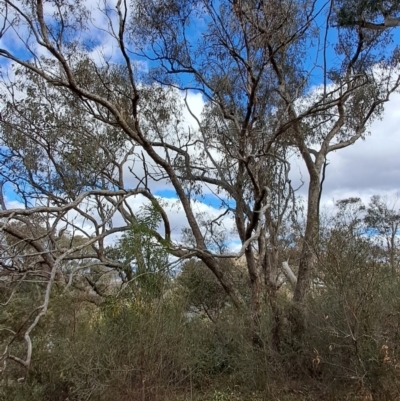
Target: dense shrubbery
(191, 343)
(116, 115)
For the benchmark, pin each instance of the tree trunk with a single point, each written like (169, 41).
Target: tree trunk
(270, 282)
(271, 262)
(255, 295)
(307, 256)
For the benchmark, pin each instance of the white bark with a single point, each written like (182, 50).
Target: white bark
(289, 274)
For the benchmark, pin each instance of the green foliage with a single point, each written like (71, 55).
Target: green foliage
(74, 117)
(351, 333)
(201, 289)
(178, 339)
(350, 12)
(145, 258)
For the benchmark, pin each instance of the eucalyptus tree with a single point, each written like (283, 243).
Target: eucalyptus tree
(95, 103)
(383, 219)
(270, 76)
(64, 172)
(243, 133)
(370, 14)
(143, 112)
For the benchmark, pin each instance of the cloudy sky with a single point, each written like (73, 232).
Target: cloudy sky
(370, 166)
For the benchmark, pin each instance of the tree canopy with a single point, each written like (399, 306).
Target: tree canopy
(97, 118)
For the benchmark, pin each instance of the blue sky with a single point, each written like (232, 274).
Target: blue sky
(208, 198)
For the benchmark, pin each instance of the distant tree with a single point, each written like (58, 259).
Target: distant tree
(383, 219)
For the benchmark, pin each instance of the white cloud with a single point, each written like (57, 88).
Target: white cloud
(370, 166)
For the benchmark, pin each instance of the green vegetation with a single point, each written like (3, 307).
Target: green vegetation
(152, 243)
(184, 340)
